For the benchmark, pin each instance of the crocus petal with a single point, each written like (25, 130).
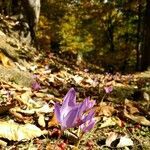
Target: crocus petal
(91, 104)
(87, 126)
(89, 116)
(57, 112)
(69, 99)
(82, 107)
(71, 119)
(86, 105)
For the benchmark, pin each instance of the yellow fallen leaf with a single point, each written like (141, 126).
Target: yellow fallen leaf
(108, 122)
(3, 143)
(5, 60)
(41, 120)
(38, 94)
(16, 132)
(25, 98)
(43, 109)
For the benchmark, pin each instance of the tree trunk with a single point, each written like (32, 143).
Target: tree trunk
(138, 44)
(111, 35)
(145, 61)
(79, 57)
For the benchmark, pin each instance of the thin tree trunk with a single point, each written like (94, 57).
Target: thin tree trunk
(145, 61)
(138, 45)
(79, 57)
(110, 31)
(111, 38)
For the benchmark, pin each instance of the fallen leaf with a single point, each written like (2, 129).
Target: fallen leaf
(114, 140)
(108, 122)
(21, 67)
(78, 79)
(3, 143)
(125, 141)
(131, 112)
(25, 98)
(137, 118)
(105, 109)
(41, 120)
(5, 60)
(40, 95)
(18, 116)
(16, 132)
(92, 82)
(146, 96)
(43, 109)
(71, 137)
(6, 108)
(53, 122)
(131, 107)
(112, 137)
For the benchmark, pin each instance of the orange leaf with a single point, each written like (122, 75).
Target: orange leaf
(53, 122)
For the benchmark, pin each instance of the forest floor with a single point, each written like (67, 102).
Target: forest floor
(27, 120)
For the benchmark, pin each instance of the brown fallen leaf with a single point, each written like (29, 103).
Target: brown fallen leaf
(6, 108)
(49, 146)
(131, 107)
(16, 132)
(104, 109)
(132, 112)
(53, 122)
(19, 116)
(137, 118)
(12, 85)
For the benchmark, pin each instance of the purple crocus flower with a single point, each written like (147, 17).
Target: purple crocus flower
(72, 114)
(108, 89)
(36, 86)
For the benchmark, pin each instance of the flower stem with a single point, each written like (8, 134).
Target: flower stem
(58, 139)
(103, 98)
(77, 144)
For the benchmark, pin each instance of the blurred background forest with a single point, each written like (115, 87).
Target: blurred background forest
(113, 35)
(107, 33)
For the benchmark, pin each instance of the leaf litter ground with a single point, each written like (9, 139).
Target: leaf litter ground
(122, 116)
